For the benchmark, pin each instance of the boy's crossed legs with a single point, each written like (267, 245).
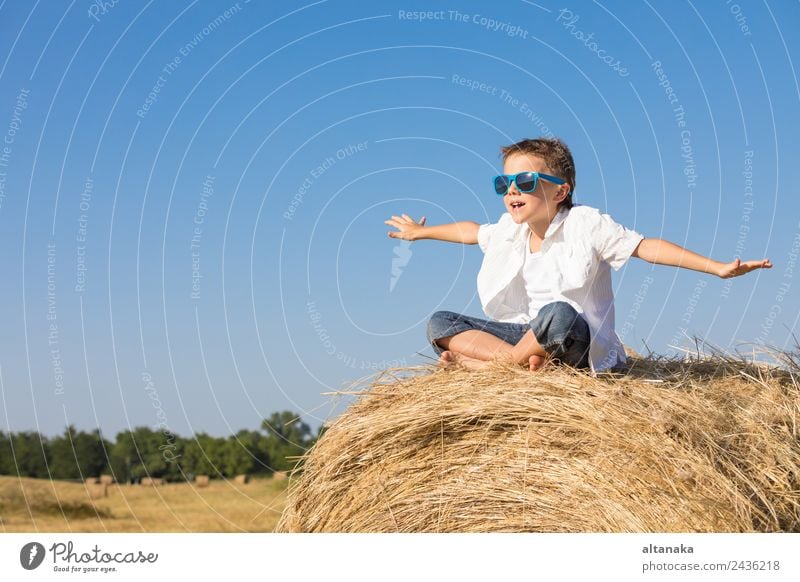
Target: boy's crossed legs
(475, 348)
(557, 330)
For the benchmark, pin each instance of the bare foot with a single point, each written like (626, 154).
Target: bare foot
(449, 358)
(446, 359)
(472, 363)
(535, 363)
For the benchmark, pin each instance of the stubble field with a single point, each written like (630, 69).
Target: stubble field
(40, 505)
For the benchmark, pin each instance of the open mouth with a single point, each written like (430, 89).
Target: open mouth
(517, 205)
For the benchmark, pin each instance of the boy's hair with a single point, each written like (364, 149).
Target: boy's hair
(555, 154)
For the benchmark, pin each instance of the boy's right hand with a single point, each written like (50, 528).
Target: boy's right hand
(407, 228)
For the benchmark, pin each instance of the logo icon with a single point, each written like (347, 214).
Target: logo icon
(31, 555)
(402, 256)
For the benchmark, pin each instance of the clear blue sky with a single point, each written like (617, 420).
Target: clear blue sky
(192, 195)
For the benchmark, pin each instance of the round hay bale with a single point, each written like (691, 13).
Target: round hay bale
(702, 446)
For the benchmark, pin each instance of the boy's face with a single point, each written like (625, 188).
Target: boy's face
(536, 206)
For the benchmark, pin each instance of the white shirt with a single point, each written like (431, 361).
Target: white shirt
(539, 274)
(582, 244)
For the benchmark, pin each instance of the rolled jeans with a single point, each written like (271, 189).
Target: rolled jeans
(561, 331)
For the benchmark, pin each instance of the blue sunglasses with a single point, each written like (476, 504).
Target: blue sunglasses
(526, 181)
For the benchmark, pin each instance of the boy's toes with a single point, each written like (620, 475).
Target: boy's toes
(535, 363)
(446, 358)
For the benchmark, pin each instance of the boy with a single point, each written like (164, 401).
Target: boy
(545, 279)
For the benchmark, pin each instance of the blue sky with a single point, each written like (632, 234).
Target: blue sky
(192, 195)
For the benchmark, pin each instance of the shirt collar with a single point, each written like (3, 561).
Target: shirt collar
(521, 232)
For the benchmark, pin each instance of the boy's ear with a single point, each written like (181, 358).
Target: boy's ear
(563, 192)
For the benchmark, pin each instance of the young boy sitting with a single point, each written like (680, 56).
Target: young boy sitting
(545, 280)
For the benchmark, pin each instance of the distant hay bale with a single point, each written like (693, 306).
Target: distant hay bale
(279, 476)
(241, 479)
(706, 445)
(152, 481)
(97, 490)
(91, 480)
(201, 481)
(107, 479)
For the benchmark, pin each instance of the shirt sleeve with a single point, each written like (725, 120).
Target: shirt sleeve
(613, 242)
(485, 235)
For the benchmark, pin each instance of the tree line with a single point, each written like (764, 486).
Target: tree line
(143, 452)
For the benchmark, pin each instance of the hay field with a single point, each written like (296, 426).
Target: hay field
(709, 444)
(39, 505)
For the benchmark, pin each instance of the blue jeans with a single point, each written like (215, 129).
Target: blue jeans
(558, 327)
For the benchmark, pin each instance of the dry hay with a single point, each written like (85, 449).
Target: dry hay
(241, 479)
(709, 444)
(96, 490)
(107, 479)
(201, 481)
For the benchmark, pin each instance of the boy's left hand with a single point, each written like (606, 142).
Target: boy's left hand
(736, 267)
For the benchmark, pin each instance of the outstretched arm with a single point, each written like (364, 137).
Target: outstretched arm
(457, 232)
(662, 252)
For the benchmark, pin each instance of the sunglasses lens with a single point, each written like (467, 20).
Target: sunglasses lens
(526, 182)
(501, 184)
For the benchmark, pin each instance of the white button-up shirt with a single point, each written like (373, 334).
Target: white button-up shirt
(583, 244)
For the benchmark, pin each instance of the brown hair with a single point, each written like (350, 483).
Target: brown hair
(556, 156)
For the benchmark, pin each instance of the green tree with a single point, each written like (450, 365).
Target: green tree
(6, 458)
(91, 449)
(201, 455)
(287, 437)
(30, 453)
(257, 445)
(62, 458)
(142, 452)
(237, 458)
(78, 454)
